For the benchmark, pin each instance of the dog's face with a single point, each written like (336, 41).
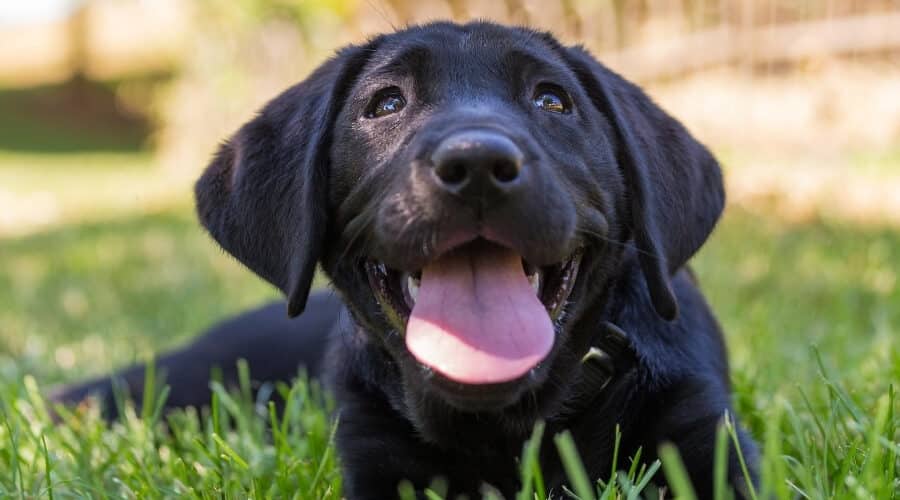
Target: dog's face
(470, 175)
(471, 191)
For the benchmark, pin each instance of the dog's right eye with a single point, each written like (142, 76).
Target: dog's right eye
(386, 102)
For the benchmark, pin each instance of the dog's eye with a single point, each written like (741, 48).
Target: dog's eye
(552, 98)
(386, 102)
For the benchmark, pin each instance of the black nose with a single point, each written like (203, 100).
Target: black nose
(477, 164)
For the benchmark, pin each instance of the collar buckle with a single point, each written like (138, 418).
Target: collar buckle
(600, 362)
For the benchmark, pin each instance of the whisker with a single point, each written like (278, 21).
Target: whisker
(609, 240)
(360, 224)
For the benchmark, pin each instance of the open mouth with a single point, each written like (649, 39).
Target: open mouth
(479, 314)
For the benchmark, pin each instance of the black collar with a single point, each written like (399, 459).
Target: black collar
(609, 356)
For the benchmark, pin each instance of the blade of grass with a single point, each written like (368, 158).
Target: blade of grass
(48, 469)
(720, 464)
(574, 466)
(530, 464)
(732, 430)
(148, 398)
(675, 472)
(18, 478)
(615, 458)
(645, 479)
(231, 456)
(324, 459)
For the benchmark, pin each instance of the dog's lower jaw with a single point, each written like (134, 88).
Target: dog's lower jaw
(438, 422)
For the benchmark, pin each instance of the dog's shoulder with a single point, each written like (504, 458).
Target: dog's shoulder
(690, 346)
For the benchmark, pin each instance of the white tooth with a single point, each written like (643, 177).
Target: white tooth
(412, 285)
(535, 280)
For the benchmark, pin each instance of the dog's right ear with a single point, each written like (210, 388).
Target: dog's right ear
(264, 195)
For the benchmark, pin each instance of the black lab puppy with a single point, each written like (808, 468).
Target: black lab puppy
(507, 224)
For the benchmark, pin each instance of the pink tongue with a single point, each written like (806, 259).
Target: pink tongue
(477, 320)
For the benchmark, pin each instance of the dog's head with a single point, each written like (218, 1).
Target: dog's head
(471, 191)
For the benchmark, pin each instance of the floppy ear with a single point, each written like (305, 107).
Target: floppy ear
(674, 183)
(264, 195)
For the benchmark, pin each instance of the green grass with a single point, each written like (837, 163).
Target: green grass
(811, 312)
(42, 191)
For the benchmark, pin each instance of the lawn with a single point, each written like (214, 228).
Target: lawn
(811, 311)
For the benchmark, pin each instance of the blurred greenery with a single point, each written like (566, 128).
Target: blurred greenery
(75, 116)
(96, 295)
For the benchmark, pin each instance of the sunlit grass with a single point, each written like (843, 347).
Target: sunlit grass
(83, 299)
(43, 191)
(237, 448)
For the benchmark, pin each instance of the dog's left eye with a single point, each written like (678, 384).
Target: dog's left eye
(553, 99)
(386, 102)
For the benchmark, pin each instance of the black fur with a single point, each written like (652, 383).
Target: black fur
(313, 179)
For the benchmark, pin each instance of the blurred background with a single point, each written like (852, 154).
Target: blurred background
(110, 108)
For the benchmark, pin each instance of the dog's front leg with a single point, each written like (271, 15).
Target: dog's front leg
(689, 415)
(380, 449)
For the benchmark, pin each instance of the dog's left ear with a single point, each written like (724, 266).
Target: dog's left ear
(674, 183)
(264, 196)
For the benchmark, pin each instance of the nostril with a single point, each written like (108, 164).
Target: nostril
(452, 172)
(477, 164)
(505, 170)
